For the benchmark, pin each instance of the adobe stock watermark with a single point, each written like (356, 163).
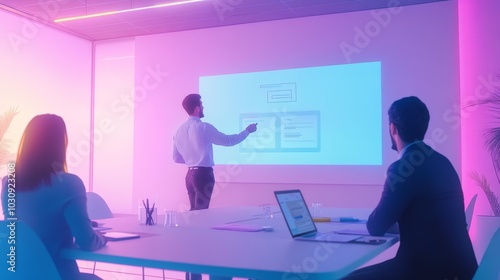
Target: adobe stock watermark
(11, 217)
(222, 180)
(233, 168)
(264, 135)
(224, 6)
(31, 27)
(408, 165)
(309, 264)
(363, 36)
(122, 107)
(482, 91)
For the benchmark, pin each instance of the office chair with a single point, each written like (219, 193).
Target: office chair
(470, 210)
(489, 267)
(97, 208)
(32, 260)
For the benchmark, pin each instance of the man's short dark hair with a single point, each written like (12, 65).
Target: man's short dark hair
(190, 102)
(411, 118)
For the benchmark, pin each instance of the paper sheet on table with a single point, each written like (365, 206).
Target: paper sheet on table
(353, 231)
(239, 227)
(117, 235)
(102, 228)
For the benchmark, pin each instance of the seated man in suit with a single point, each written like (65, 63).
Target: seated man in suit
(423, 197)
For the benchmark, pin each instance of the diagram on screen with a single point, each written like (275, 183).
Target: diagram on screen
(287, 132)
(320, 115)
(280, 92)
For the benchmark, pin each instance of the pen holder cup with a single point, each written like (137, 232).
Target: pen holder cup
(148, 218)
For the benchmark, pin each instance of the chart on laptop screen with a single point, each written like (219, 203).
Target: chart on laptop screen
(295, 213)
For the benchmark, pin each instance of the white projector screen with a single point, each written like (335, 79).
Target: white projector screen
(305, 116)
(321, 114)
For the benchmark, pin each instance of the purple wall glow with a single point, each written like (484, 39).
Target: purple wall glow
(479, 26)
(417, 45)
(114, 122)
(418, 48)
(46, 71)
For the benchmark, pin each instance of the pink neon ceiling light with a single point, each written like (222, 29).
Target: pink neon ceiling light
(127, 10)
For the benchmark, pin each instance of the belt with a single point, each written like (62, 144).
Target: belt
(198, 167)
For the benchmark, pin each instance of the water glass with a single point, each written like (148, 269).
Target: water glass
(170, 218)
(316, 209)
(268, 211)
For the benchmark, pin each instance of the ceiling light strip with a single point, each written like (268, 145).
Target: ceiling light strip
(127, 10)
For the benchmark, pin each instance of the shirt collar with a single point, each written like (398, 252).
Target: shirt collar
(406, 148)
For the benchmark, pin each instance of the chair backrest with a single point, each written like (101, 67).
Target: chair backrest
(28, 256)
(470, 210)
(97, 208)
(490, 267)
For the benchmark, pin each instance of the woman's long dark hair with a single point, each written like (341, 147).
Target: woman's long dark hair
(42, 152)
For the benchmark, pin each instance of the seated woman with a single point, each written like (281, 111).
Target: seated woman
(48, 199)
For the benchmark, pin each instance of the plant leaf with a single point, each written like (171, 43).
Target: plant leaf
(492, 142)
(5, 144)
(6, 119)
(482, 182)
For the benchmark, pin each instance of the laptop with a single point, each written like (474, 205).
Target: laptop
(300, 222)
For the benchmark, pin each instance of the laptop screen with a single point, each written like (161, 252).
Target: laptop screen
(296, 213)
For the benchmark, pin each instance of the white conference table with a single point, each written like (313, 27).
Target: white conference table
(193, 246)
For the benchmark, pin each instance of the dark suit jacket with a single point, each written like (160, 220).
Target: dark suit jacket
(422, 193)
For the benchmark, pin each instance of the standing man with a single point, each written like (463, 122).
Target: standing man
(422, 197)
(193, 147)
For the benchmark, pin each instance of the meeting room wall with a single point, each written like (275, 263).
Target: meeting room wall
(44, 70)
(114, 122)
(416, 45)
(479, 70)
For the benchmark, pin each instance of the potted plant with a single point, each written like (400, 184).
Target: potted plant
(488, 224)
(492, 142)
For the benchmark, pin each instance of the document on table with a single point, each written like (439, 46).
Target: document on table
(117, 235)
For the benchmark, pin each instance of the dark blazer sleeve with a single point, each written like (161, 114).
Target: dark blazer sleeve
(396, 196)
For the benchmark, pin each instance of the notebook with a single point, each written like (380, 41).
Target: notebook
(299, 220)
(242, 227)
(116, 235)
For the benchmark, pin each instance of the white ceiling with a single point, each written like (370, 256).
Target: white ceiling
(204, 14)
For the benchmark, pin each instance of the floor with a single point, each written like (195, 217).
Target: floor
(122, 272)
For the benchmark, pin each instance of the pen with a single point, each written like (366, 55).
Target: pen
(336, 219)
(344, 219)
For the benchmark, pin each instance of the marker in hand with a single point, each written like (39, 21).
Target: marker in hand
(252, 127)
